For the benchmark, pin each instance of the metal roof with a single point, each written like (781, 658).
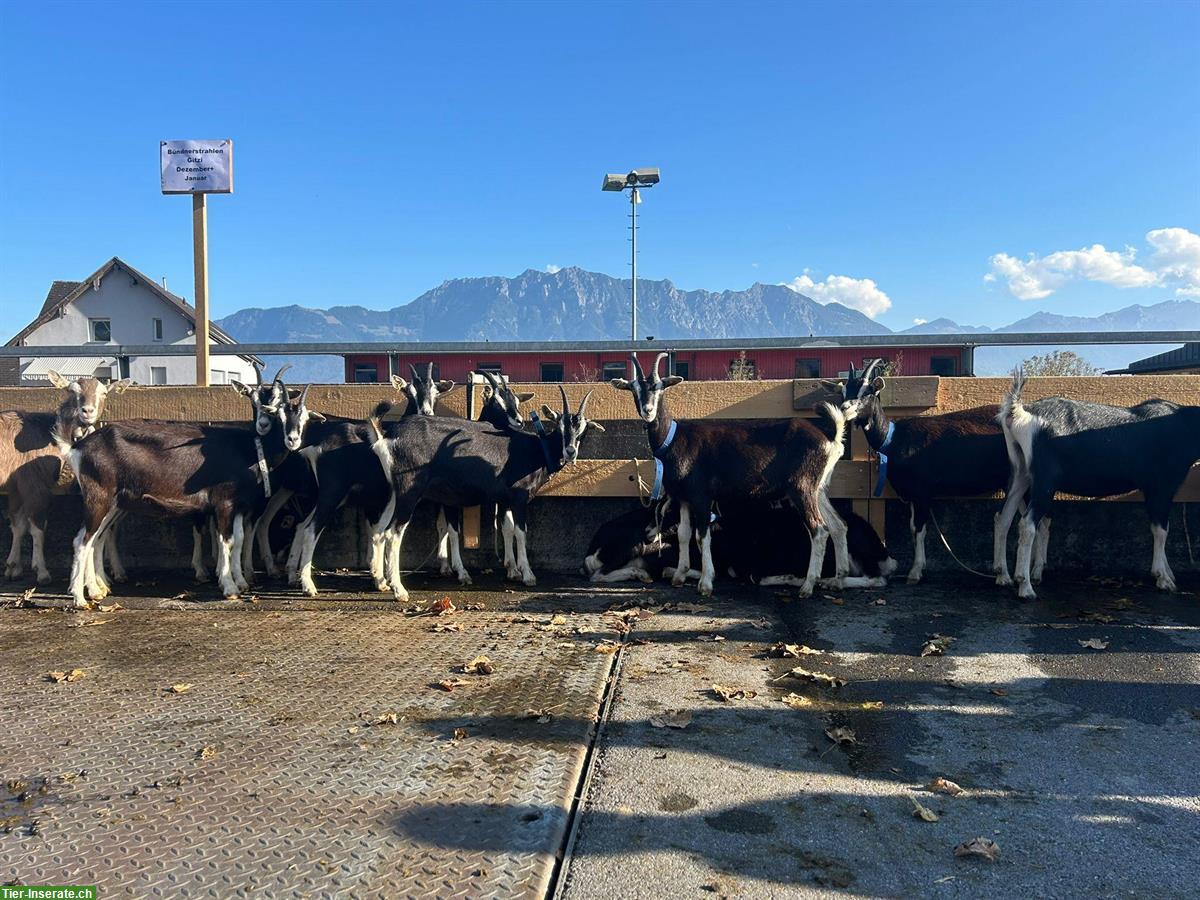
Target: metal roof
(67, 366)
(1185, 357)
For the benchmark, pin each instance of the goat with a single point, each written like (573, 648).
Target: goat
(30, 462)
(346, 470)
(620, 548)
(460, 463)
(177, 469)
(1096, 450)
(955, 454)
(703, 462)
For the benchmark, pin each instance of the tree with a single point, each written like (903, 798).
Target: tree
(1060, 362)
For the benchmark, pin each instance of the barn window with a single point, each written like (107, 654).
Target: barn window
(615, 370)
(100, 330)
(552, 372)
(945, 366)
(681, 369)
(808, 368)
(493, 368)
(366, 373)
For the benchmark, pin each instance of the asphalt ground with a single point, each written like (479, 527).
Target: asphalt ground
(1072, 724)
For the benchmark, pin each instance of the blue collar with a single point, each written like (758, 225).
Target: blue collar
(667, 443)
(541, 434)
(883, 460)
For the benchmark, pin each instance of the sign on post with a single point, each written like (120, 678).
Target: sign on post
(198, 168)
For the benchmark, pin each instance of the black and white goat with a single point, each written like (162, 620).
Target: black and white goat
(622, 548)
(460, 463)
(174, 469)
(1096, 450)
(30, 461)
(347, 471)
(706, 462)
(955, 454)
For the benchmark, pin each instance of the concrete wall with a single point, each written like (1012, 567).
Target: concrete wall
(130, 306)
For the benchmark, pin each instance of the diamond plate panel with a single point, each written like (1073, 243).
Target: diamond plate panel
(265, 778)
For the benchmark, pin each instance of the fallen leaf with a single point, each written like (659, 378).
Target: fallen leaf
(443, 607)
(353, 729)
(449, 684)
(459, 734)
(88, 624)
(206, 752)
(559, 619)
(448, 626)
(711, 637)
(1102, 618)
(842, 735)
(941, 785)
(672, 718)
(543, 716)
(726, 693)
(815, 677)
(999, 692)
(181, 688)
(936, 645)
(480, 665)
(387, 718)
(111, 607)
(60, 677)
(1093, 644)
(796, 701)
(980, 847)
(607, 646)
(924, 813)
(792, 651)
(880, 602)
(872, 704)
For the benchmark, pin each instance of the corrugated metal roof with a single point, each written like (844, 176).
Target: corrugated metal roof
(67, 366)
(1180, 358)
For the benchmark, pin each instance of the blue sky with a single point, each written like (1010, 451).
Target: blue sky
(383, 148)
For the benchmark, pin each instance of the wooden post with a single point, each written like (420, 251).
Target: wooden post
(200, 261)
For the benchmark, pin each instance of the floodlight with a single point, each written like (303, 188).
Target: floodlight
(645, 176)
(613, 183)
(634, 181)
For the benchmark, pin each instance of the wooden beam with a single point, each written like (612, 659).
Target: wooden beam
(200, 262)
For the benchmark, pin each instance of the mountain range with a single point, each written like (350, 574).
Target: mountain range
(574, 304)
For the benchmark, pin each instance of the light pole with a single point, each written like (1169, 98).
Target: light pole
(638, 178)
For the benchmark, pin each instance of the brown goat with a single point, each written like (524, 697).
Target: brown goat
(30, 462)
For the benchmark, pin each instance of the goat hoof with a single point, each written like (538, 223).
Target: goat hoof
(1003, 580)
(464, 579)
(529, 581)
(79, 603)
(383, 587)
(512, 574)
(400, 596)
(1165, 583)
(233, 596)
(645, 578)
(705, 590)
(202, 577)
(913, 578)
(43, 578)
(1026, 592)
(446, 569)
(243, 586)
(12, 572)
(1035, 578)
(120, 577)
(678, 582)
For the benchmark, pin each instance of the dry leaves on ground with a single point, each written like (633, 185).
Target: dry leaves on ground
(796, 701)
(88, 624)
(449, 684)
(710, 638)
(979, 848)
(941, 785)
(448, 626)
(607, 646)
(443, 607)
(181, 688)
(543, 716)
(387, 718)
(726, 693)
(936, 645)
(924, 813)
(459, 734)
(871, 704)
(1093, 644)
(206, 752)
(672, 718)
(815, 677)
(480, 665)
(792, 651)
(882, 601)
(60, 677)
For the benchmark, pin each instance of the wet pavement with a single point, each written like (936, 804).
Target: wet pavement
(318, 752)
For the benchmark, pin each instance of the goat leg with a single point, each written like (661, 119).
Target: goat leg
(1164, 578)
(12, 567)
(684, 536)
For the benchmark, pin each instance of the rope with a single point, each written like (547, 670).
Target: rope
(954, 555)
(643, 490)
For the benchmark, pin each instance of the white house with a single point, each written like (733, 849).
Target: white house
(118, 305)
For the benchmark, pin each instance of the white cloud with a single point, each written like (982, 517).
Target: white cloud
(857, 293)
(553, 269)
(1176, 258)
(1174, 262)
(919, 321)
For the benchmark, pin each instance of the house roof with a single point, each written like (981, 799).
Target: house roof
(63, 293)
(67, 366)
(1185, 357)
(58, 290)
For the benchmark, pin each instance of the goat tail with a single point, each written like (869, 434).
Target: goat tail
(382, 408)
(1011, 407)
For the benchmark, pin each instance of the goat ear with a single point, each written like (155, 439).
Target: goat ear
(445, 386)
(399, 383)
(833, 385)
(671, 381)
(877, 385)
(550, 414)
(620, 384)
(56, 379)
(596, 425)
(313, 414)
(241, 388)
(118, 386)
(524, 397)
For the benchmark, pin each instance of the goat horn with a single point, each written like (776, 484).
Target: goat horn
(491, 380)
(637, 367)
(429, 372)
(416, 377)
(658, 362)
(871, 368)
(303, 395)
(583, 405)
(279, 374)
(566, 408)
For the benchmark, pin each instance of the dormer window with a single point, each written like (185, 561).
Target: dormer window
(101, 330)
